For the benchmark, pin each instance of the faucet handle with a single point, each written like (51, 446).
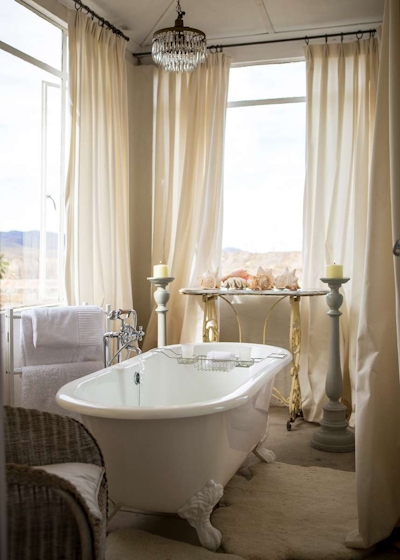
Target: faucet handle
(140, 334)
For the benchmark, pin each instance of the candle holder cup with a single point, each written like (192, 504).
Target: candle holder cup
(334, 434)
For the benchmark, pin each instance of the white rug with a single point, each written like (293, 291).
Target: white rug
(286, 512)
(133, 544)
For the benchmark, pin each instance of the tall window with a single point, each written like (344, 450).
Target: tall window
(264, 168)
(32, 123)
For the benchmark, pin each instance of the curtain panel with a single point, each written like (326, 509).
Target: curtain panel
(341, 99)
(97, 189)
(187, 220)
(378, 374)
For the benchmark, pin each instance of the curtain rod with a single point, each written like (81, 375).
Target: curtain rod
(219, 48)
(101, 21)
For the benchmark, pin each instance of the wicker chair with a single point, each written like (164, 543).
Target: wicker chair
(48, 518)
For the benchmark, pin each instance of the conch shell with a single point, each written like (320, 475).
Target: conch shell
(287, 280)
(235, 283)
(210, 280)
(239, 273)
(281, 280)
(292, 282)
(263, 280)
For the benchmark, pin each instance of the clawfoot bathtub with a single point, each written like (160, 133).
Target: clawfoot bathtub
(172, 436)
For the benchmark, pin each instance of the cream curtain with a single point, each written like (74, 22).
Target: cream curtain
(189, 143)
(341, 98)
(378, 391)
(97, 190)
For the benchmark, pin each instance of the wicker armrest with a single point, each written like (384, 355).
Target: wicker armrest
(47, 515)
(39, 438)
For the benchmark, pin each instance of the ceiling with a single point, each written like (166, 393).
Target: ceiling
(236, 21)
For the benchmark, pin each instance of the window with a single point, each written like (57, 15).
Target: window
(264, 168)
(32, 124)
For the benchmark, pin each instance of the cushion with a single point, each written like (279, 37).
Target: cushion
(85, 477)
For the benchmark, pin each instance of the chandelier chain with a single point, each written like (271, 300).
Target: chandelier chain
(179, 9)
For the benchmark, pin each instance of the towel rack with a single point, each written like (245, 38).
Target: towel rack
(12, 315)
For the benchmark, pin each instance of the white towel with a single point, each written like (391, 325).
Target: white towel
(66, 327)
(41, 383)
(31, 356)
(217, 355)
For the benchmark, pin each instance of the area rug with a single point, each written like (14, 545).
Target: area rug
(133, 544)
(285, 512)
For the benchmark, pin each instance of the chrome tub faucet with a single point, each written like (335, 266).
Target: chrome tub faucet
(127, 337)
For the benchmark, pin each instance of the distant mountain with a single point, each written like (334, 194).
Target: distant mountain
(15, 239)
(231, 250)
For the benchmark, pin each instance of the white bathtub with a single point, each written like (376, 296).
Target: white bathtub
(173, 441)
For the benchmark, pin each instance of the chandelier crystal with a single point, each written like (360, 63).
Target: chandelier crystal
(179, 48)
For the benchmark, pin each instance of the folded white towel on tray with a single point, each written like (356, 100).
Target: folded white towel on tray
(35, 356)
(218, 355)
(41, 383)
(66, 327)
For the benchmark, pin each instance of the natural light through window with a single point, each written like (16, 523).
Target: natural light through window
(264, 168)
(32, 95)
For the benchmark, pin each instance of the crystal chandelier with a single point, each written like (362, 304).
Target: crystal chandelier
(179, 48)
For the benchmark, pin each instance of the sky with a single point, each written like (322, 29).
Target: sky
(264, 166)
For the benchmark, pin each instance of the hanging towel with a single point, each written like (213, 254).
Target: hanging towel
(35, 356)
(41, 383)
(67, 326)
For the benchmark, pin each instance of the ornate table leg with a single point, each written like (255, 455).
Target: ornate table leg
(210, 321)
(295, 345)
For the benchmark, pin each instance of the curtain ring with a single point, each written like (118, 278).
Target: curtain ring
(78, 6)
(359, 35)
(307, 40)
(213, 50)
(326, 39)
(220, 48)
(341, 37)
(92, 16)
(101, 22)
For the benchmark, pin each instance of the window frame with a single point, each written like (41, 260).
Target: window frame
(63, 76)
(266, 100)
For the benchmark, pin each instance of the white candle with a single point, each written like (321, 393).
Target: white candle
(160, 271)
(334, 271)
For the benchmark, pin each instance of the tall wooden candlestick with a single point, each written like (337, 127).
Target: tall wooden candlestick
(334, 434)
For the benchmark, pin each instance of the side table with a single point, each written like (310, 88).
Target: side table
(211, 330)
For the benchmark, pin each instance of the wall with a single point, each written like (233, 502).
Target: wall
(140, 99)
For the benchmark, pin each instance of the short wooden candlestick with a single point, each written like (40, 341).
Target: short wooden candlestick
(161, 297)
(334, 434)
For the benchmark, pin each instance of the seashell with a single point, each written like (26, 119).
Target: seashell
(281, 280)
(235, 283)
(292, 282)
(263, 280)
(266, 279)
(239, 273)
(210, 280)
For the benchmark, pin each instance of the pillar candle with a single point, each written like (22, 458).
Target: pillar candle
(334, 271)
(160, 271)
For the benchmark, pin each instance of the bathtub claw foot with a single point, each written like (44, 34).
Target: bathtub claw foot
(265, 455)
(197, 511)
